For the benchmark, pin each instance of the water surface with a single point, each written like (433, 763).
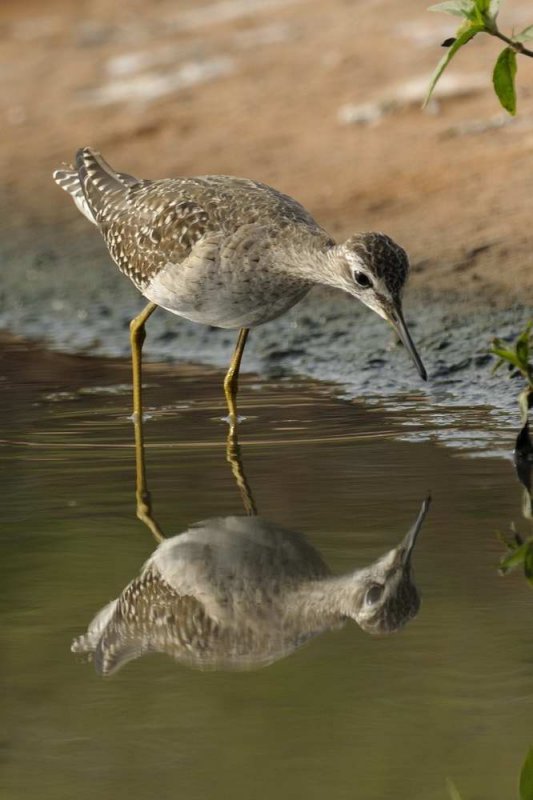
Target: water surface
(347, 715)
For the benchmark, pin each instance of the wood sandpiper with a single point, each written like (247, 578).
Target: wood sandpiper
(228, 252)
(241, 593)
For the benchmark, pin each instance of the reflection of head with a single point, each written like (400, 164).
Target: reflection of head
(395, 609)
(241, 592)
(387, 597)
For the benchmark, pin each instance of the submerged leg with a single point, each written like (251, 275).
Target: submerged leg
(142, 495)
(231, 381)
(233, 457)
(144, 505)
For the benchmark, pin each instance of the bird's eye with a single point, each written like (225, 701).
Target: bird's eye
(362, 279)
(373, 594)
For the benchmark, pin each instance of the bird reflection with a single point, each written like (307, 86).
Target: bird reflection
(242, 592)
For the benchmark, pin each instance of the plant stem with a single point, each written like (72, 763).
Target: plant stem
(517, 46)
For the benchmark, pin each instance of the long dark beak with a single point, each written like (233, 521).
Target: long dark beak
(407, 545)
(401, 329)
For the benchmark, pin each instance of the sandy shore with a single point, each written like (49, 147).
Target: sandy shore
(319, 98)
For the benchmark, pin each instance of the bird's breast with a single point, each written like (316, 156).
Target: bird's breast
(221, 287)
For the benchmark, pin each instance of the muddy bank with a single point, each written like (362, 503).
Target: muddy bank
(320, 98)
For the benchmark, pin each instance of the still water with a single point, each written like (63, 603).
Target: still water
(287, 696)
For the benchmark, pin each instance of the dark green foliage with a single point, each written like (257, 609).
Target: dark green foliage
(525, 785)
(479, 16)
(520, 554)
(503, 79)
(517, 358)
(526, 777)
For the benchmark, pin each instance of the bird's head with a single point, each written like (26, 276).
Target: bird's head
(386, 597)
(374, 269)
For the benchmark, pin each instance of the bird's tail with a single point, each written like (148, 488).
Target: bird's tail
(67, 177)
(93, 183)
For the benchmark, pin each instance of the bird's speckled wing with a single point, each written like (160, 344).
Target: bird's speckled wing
(151, 617)
(150, 224)
(68, 179)
(149, 230)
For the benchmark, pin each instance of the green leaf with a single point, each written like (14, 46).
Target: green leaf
(499, 348)
(464, 34)
(503, 539)
(528, 564)
(523, 402)
(525, 36)
(522, 353)
(514, 558)
(494, 8)
(482, 6)
(505, 354)
(522, 348)
(452, 790)
(526, 777)
(503, 79)
(517, 355)
(458, 8)
(482, 14)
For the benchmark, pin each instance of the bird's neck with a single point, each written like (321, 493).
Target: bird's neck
(327, 601)
(306, 255)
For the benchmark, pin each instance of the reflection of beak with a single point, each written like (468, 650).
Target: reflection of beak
(398, 322)
(406, 547)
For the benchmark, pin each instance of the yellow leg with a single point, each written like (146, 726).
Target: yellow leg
(137, 337)
(142, 495)
(233, 457)
(144, 504)
(231, 381)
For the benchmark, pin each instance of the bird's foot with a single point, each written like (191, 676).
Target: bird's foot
(135, 417)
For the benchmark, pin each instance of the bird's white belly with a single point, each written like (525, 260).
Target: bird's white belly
(215, 299)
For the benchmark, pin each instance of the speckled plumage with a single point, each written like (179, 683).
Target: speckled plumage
(204, 247)
(230, 252)
(241, 592)
(387, 260)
